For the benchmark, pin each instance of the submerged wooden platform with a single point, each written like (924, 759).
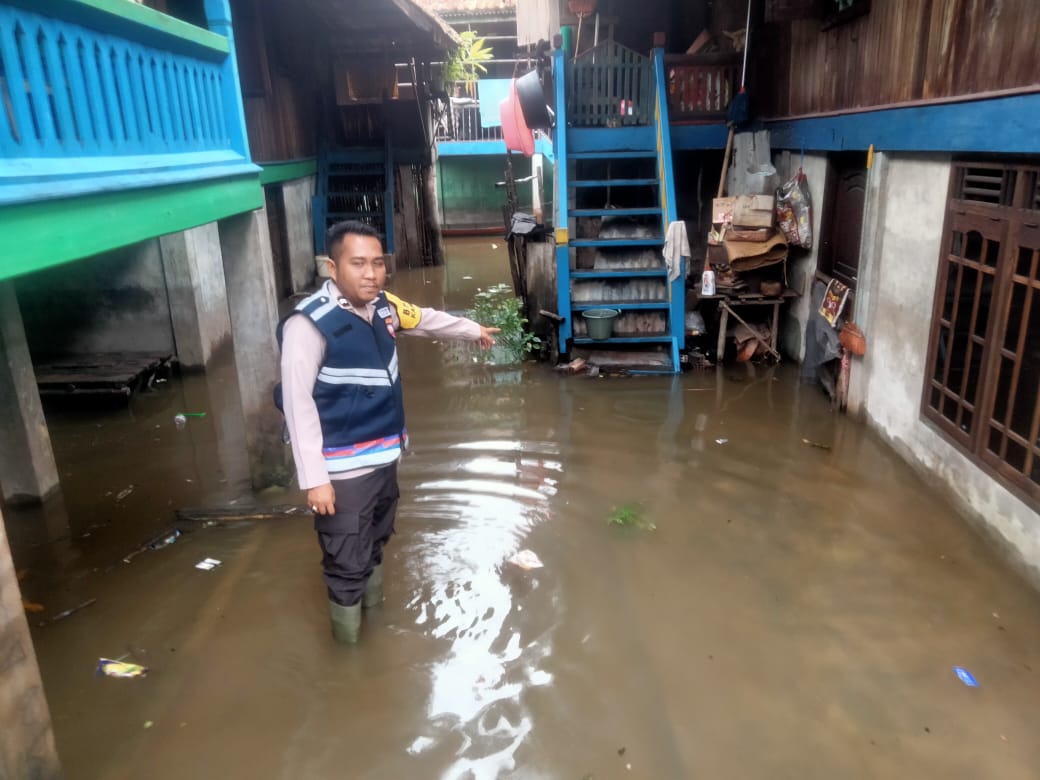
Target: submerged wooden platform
(106, 373)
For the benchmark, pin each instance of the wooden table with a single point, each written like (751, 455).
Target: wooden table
(728, 302)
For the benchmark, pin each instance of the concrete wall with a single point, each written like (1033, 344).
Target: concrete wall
(194, 269)
(26, 740)
(468, 195)
(801, 264)
(297, 195)
(113, 302)
(902, 237)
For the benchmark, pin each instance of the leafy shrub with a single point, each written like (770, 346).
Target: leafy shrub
(498, 307)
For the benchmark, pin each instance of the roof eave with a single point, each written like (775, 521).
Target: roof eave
(444, 37)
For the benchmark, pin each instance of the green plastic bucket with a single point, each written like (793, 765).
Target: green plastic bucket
(600, 322)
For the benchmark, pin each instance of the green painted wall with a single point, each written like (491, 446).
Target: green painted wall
(467, 191)
(48, 233)
(275, 172)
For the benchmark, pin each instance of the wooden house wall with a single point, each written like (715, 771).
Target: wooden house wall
(278, 70)
(900, 51)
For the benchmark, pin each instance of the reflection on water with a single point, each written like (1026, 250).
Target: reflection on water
(795, 613)
(479, 500)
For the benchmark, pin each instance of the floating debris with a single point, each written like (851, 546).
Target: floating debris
(816, 444)
(965, 677)
(181, 418)
(573, 367)
(630, 516)
(110, 668)
(207, 564)
(124, 493)
(526, 559)
(722, 441)
(164, 539)
(66, 613)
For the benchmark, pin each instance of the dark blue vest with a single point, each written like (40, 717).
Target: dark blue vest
(358, 389)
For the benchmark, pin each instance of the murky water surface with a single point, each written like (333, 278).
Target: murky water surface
(796, 612)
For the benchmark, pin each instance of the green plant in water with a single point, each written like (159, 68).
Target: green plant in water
(467, 62)
(498, 307)
(630, 516)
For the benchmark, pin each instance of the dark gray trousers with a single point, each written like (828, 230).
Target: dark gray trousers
(352, 539)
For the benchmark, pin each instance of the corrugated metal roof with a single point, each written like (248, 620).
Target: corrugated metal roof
(449, 8)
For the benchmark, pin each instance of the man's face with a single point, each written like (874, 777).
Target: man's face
(359, 268)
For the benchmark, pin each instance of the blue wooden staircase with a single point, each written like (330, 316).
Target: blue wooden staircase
(357, 184)
(615, 202)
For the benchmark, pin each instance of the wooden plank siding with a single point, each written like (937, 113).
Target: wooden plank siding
(278, 57)
(902, 51)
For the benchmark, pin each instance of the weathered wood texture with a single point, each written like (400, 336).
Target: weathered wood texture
(901, 51)
(278, 73)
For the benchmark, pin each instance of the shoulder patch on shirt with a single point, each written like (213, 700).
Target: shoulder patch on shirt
(408, 313)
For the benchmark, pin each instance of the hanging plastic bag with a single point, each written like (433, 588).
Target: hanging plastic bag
(794, 211)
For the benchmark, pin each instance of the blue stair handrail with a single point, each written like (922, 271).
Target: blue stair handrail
(103, 97)
(665, 174)
(561, 221)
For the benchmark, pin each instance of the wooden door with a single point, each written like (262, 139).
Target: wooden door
(842, 226)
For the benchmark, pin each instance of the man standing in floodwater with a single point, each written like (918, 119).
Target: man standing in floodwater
(341, 394)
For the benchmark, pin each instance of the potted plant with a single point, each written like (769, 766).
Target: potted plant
(467, 63)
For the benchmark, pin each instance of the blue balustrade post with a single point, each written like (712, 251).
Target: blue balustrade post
(561, 221)
(666, 176)
(218, 19)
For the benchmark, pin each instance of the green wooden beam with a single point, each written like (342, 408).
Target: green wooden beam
(48, 233)
(276, 172)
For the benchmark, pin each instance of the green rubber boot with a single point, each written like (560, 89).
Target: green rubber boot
(374, 588)
(346, 622)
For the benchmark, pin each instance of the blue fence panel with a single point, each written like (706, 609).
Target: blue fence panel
(69, 89)
(81, 99)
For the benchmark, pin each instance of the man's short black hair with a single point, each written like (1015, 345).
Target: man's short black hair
(335, 235)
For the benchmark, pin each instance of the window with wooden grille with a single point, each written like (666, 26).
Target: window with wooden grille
(983, 382)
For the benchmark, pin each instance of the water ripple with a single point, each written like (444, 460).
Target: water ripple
(477, 502)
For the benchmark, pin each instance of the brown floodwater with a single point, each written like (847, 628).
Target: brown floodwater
(794, 611)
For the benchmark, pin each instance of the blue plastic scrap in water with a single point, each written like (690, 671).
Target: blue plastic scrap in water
(965, 677)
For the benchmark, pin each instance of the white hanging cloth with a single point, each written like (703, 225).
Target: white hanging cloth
(536, 20)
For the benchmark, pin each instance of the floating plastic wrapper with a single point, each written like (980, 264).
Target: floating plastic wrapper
(110, 668)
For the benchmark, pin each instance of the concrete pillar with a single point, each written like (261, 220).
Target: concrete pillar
(433, 206)
(245, 244)
(297, 197)
(26, 739)
(27, 468)
(868, 290)
(198, 301)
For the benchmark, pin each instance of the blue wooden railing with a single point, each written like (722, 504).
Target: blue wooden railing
(610, 85)
(106, 94)
(669, 208)
(561, 219)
